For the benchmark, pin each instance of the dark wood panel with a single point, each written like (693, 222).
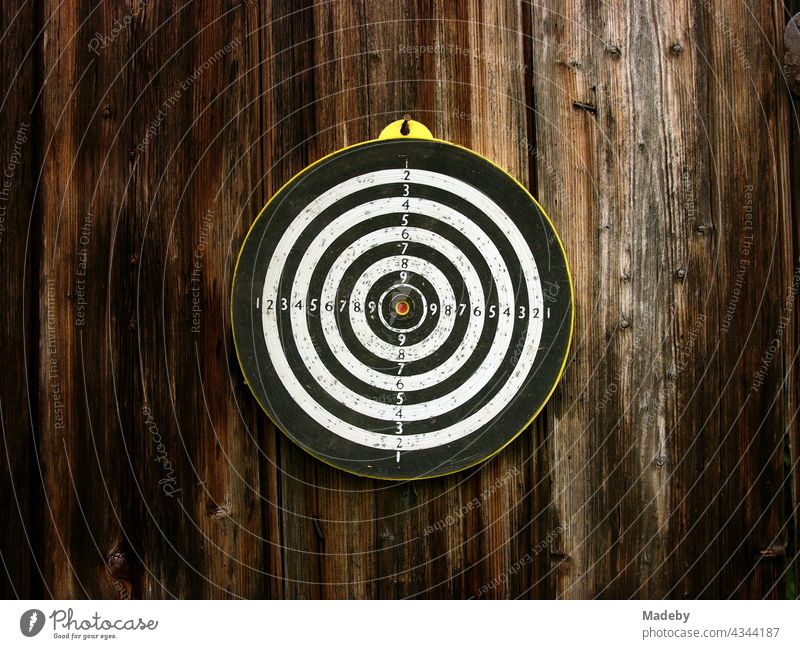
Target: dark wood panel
(748, 103)
(153, 480)
(20, 490)
(197, 184)
(135, 461)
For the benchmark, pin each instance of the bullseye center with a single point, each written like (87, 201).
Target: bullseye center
(402, 308)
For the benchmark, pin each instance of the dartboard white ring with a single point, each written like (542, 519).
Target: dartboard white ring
(337, 408)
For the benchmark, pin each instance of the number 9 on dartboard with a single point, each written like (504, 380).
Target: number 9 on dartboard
(402, 308)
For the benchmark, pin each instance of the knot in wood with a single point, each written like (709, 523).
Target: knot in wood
(117, 561)
(218, 512)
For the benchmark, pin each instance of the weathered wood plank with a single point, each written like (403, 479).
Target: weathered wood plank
(153, 479)
(667, 488)
(756, 565)
(792, 384)
(85, 517)
(197, 182)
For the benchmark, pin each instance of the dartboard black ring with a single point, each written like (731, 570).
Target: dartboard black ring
(418, 376)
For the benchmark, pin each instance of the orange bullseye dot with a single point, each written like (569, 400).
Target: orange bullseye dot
(402, 308)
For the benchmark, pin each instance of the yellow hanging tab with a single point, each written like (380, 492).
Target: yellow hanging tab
(406, 128)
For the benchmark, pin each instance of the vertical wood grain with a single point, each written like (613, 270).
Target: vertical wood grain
(152, 479)
(83, 512)
(199, 181)
(792, 455)
(20, 491)
(747, 104)
(667, 467)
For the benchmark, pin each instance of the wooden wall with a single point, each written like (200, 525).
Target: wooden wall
(143, 138)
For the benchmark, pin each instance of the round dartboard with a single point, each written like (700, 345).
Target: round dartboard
(402, 308)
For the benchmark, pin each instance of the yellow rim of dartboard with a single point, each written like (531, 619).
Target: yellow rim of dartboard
(416, 130)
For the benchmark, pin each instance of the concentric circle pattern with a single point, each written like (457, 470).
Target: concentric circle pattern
(402, 308)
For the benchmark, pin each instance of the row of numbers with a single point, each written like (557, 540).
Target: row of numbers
(398, 415)
(313, 306)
